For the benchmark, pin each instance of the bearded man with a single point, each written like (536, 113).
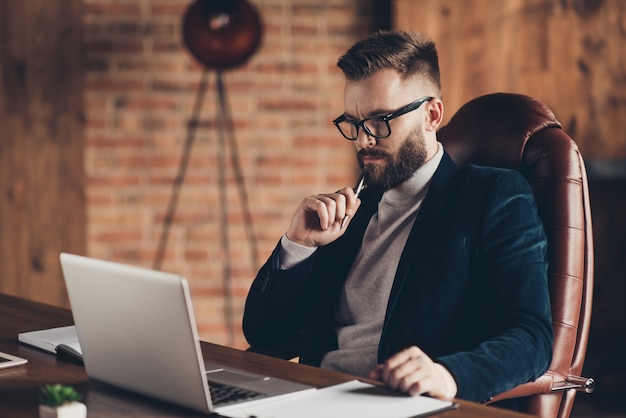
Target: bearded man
(433, 279)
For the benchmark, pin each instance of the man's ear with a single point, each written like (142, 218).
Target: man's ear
(434, 114)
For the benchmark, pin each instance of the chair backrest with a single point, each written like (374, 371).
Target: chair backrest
(516, 131)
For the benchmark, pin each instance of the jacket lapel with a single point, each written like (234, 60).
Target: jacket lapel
(430, 219)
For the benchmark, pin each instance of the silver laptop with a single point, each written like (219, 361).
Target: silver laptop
(137, 331)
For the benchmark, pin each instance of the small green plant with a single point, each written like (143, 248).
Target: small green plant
(57, 395)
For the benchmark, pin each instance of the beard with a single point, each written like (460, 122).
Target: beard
(397, 168)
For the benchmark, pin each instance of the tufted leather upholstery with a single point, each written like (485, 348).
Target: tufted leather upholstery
(517, 131)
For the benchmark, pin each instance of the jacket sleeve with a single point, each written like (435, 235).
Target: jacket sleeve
(512, 246)
(276, 307)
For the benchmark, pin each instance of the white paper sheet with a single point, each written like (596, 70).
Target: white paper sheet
(49, 339)
(350, 399)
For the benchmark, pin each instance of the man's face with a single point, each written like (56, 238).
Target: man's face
(388, 162)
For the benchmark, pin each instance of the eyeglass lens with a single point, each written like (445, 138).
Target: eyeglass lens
(375, 127)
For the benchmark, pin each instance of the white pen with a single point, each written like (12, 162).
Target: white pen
(360, 184)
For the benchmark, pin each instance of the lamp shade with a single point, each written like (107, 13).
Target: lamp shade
(221, 34)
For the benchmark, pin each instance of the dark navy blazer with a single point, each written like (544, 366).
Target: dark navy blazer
(470, 289)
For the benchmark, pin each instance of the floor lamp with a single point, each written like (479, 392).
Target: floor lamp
(221, 35)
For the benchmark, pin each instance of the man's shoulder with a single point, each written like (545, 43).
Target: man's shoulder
(485, 173)
(449, 174)
(492, 181)
(483, 170)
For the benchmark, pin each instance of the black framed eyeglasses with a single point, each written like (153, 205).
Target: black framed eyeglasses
(377, 126)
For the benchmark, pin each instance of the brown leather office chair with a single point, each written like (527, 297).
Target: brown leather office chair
(517, 131)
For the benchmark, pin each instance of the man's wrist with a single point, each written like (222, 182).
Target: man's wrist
(449, 382)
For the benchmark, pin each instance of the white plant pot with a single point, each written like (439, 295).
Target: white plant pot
(70, 410)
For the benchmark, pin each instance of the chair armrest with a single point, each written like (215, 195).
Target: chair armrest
(549, 382)
(543, 384)
(581, 384)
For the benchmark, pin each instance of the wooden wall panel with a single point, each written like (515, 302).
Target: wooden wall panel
(42, 204)
(570, 54)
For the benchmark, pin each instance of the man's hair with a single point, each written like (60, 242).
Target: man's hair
(409, 53)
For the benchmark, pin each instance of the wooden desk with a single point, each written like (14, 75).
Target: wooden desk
(19, 385)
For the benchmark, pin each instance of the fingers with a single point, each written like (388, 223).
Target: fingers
(331, 208)
(376, 373)
(407, 371)
(352, 202)
(414, 372)
(318, 219)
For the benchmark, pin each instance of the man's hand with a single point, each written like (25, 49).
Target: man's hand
(317, 220)
(412, 371)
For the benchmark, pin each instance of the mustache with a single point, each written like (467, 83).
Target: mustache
(372, 152)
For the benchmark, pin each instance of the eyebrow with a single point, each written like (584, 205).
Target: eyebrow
(373, 114)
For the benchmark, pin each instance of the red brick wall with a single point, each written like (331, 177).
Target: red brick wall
(140, 88)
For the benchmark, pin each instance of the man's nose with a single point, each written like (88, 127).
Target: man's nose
(364, 140)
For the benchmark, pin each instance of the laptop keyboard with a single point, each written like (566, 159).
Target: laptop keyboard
(222, 394)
